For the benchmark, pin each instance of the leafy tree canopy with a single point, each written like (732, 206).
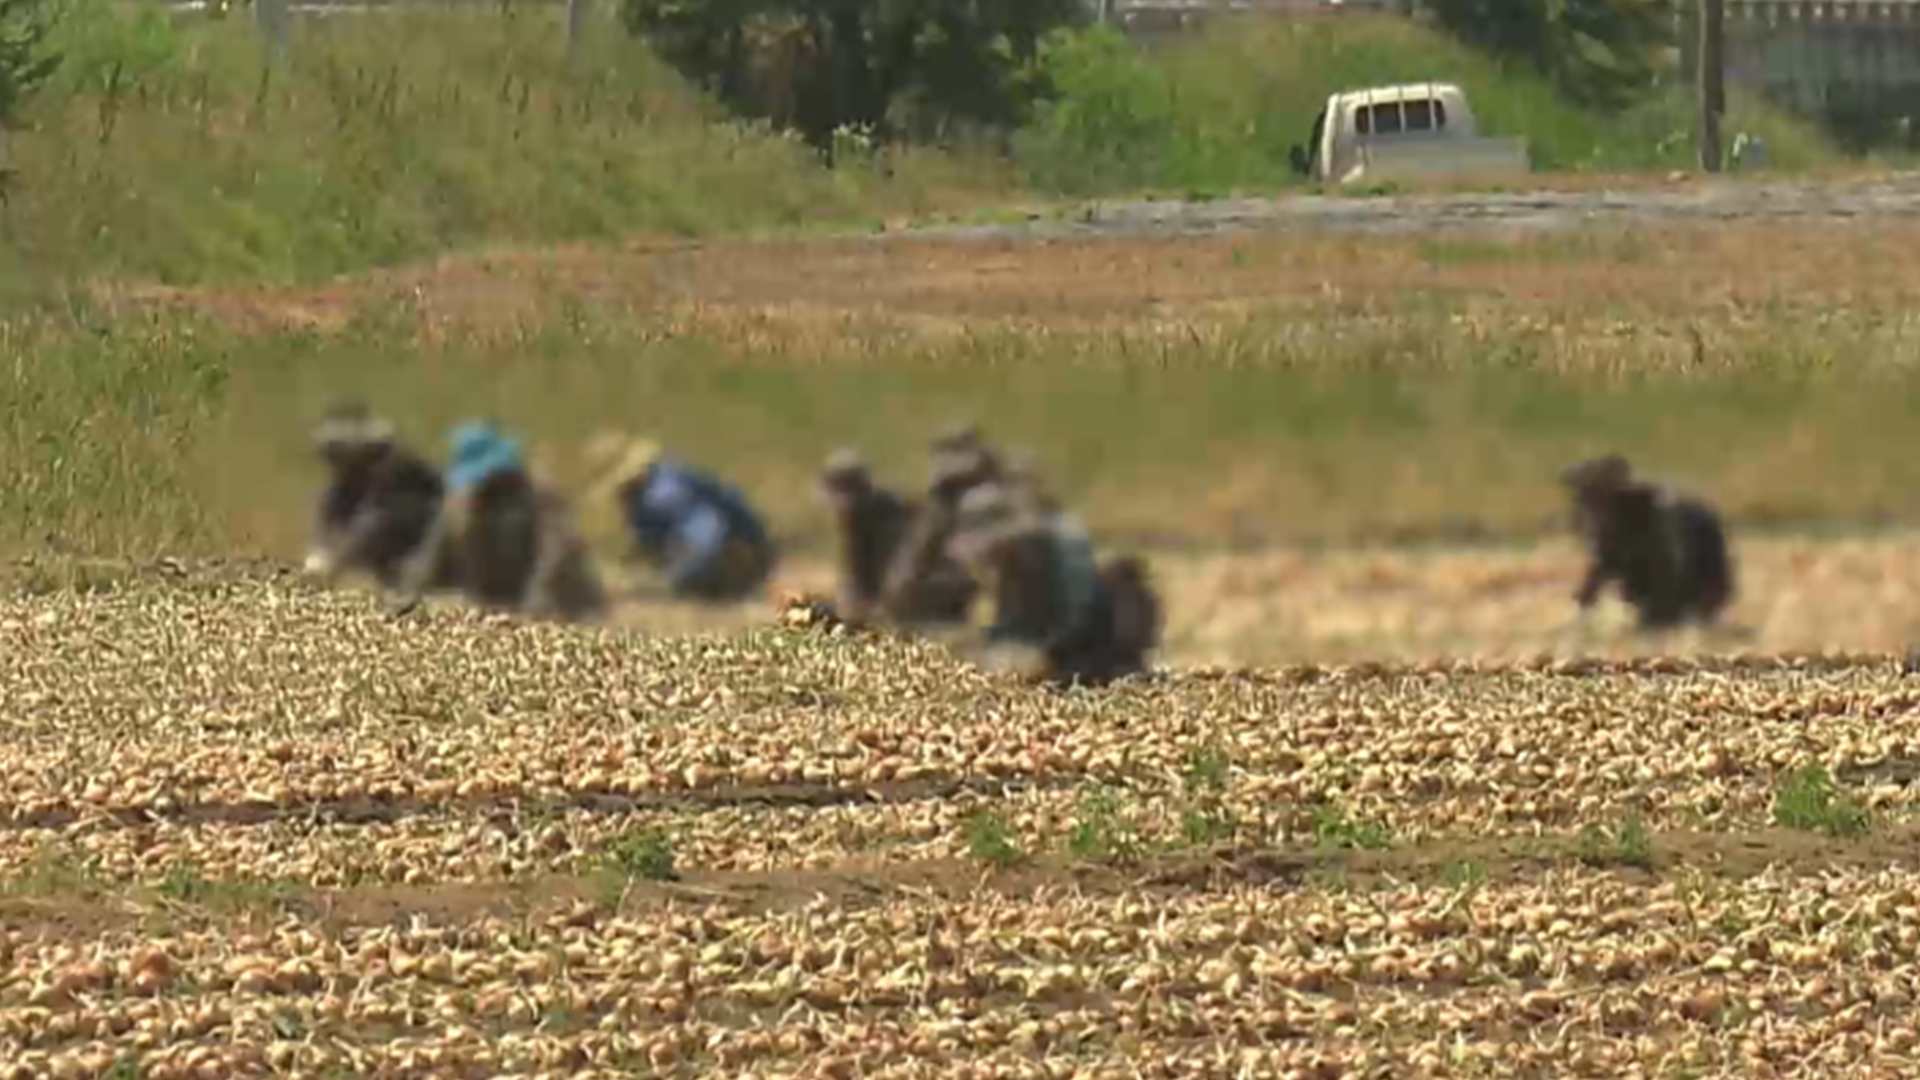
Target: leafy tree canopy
(25, 61)
(912, 69)
(1597, 52)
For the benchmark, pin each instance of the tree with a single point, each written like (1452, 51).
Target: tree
(898, 68)
(1598, 52)
(25, 61)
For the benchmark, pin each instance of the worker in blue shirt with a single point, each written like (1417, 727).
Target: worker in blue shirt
(701, 530)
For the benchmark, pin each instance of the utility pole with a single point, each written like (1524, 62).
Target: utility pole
(272, 17)
(576, 16)
(1713, 90)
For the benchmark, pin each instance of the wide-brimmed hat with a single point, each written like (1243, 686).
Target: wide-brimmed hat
(973, 460)
(846, 467)
(959, 435)
(348, 422)
(614, 459)
(479, 453)
(985, 515)
(1607, 470)
(1020, 468)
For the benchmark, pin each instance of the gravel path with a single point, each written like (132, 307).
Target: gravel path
(1712, 201)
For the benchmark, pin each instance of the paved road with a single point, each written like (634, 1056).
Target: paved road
(1693, 202)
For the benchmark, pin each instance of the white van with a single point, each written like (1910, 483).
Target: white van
(1412, 130)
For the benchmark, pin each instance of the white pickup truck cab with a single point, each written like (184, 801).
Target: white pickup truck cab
(1412, 130)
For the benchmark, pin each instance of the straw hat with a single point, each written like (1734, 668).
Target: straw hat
(348, 422)
(959, 435)
(1021, 469)
(613, 459)
(1605, 471)
(845, 470)
(844, 462)
(985, 515)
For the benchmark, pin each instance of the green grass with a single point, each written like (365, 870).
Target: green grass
(1205, 817)
(1334, 829)
(1625, 844)
(168, 148)
(644, 854)
(164, 436)
(991, 840)
(1217, 111)
(1466, 875)
(1807, 799)
(55, 870)
(1104, 830)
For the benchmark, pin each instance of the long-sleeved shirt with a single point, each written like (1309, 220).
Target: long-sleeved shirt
(377, 510)
(688, 517)
(1050, 592)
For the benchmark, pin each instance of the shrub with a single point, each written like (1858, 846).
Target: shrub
(25, 59)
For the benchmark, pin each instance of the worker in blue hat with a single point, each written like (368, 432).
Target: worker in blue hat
(518, 548)
(699, 529)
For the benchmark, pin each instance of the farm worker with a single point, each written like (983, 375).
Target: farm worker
(700, 530)
(516, 545)
(872, 522)
(1665, 548)
(1061, 613)
(959, 461)
(378, 507)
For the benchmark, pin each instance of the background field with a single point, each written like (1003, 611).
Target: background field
(1422, 828)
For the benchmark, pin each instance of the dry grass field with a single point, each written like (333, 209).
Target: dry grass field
(1384, 812)
(1291, 386)
(932, 284)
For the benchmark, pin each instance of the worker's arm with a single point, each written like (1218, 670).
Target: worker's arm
(345, 546)
(702, 533)
(1596, 578)
(555, 539)
(332, 520)
(921, 547)
(418, 569)
(380, 501)
(634, 505)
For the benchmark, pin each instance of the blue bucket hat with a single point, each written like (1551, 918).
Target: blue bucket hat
(479, 454)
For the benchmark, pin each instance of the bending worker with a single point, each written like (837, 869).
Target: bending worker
(380, 503)
(699, 529)
(513, 534)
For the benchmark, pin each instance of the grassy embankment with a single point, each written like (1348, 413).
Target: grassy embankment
(167, 149)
